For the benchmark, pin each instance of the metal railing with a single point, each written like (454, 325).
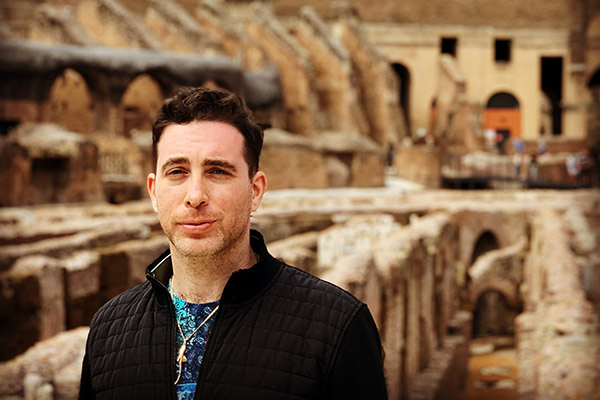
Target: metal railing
(494, 171)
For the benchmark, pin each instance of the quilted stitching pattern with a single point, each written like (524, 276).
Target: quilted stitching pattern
(283, 344)
(279, 345)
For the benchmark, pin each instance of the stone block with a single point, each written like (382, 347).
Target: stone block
(124, 265)
(394, 326)
(139, 254)
(293, 166)
(420, 164)
(109, 233)
(33, 290)
(114, 273)
(358, 235)
(82, 287)
(368, 169)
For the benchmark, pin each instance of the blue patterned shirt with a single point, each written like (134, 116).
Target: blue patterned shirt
(189, 316)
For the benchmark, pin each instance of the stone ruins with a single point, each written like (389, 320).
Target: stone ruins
(354, 171)
(426, 262)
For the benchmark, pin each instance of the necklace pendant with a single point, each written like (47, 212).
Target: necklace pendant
(181, 354)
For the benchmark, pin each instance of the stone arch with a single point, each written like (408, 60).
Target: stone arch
(503, 115)
(215, 84)
(140, 102)
(593, 85)
(404, 80)
(70, 102)
(593, 27)
(486, 241)
(494, 314)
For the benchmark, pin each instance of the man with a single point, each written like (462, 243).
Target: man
(219, 317)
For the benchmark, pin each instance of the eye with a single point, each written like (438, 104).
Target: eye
(175, 172)
(218, 171)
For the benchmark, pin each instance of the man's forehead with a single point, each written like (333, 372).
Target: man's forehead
(208, 132)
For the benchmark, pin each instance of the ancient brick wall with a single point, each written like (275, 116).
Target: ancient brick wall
(59, 266)
(557, 336)
(537, 13)
(420, 164)
(59, 263)
(406, 276)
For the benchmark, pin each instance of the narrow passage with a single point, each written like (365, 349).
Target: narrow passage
(492, 370)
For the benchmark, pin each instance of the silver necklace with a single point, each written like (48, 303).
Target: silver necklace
(181, 358)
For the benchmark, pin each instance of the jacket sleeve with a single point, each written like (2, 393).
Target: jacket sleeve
(85, 385)
(357, 371)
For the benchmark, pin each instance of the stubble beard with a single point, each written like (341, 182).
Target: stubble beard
(214, 246)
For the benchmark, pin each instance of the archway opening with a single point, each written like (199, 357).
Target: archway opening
(492, 366)
(70, 103)
(404, 92)
(50, 178)
(493, 315)
(594, 86)
(487, 242)
(140, 103)
(503, 116)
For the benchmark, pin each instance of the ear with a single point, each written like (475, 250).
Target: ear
(259, 187)
(151, 184)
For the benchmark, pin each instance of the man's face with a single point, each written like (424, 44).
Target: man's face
(201, 189)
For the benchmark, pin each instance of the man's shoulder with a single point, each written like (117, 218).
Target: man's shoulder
(314, 289)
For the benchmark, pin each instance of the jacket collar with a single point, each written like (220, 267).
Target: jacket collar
(243, 285)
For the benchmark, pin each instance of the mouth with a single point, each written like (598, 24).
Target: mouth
(196, 226)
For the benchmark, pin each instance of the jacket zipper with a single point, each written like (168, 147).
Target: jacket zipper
(170, 343)
(171, 350)
(208, 353)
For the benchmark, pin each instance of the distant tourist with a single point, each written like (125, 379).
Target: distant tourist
(542, 146)
(533, 168)
(517, 158)
(578, 167)
(219, 317)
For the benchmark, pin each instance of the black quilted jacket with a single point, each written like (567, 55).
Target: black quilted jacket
(280, 333)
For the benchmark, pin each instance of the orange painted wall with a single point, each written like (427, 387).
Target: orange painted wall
(504, 118)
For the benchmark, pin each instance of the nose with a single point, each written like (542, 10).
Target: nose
(196, 195)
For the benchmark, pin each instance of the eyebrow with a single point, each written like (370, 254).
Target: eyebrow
(174, 161)
(215, 162)
(211, 162)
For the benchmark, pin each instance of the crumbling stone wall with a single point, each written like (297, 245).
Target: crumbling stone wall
(455, 123)
(406, 276)
(374, 74)
(329, 160)
(293, 63)
(58, 266)
(557, 335)
(407, 269)
(331, 68)
(421, 164)
(46, 164)
(327, 74)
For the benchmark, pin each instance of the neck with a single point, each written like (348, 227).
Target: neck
(202, 279)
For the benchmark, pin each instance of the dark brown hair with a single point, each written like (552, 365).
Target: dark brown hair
(202, 104)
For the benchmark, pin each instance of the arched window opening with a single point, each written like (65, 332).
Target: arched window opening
(486, 242)
(70, 103)
(502, 100)
(141, 101)
(594, 86)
